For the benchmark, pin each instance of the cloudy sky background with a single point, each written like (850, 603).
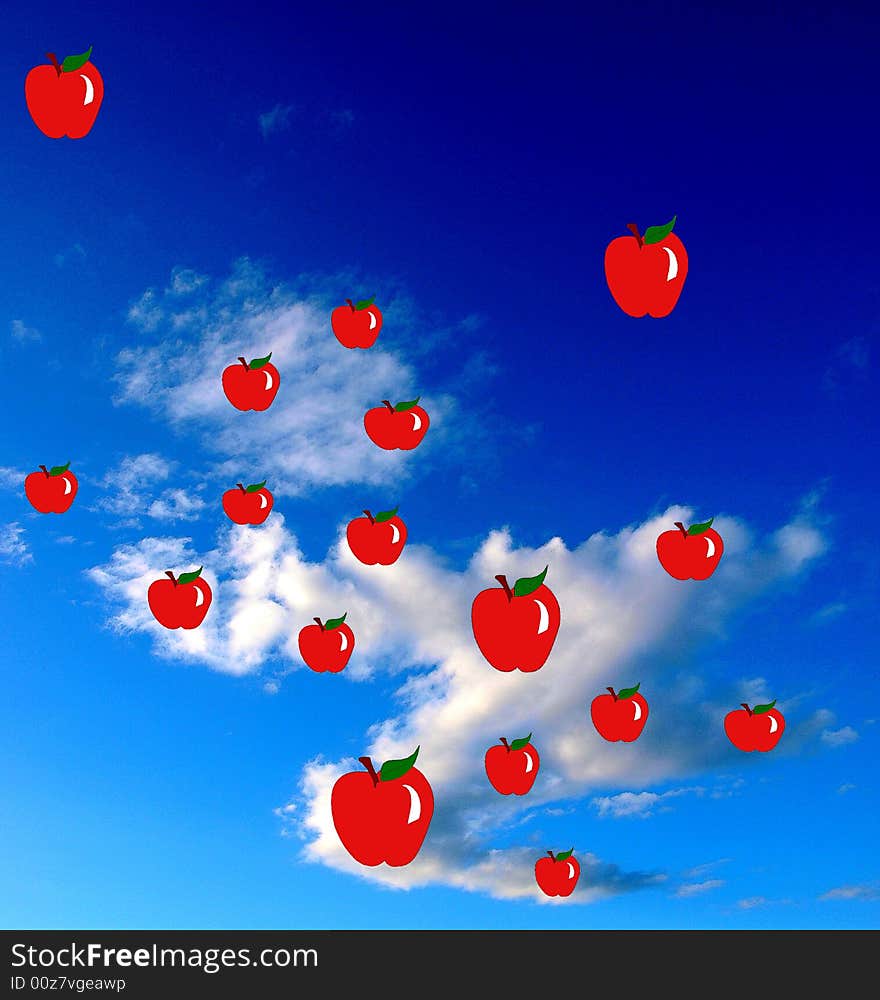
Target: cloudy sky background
(182, 779)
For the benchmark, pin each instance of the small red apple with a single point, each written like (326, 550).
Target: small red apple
(383, 816)
(180, 603)
(757, 728)
(52, 490)
(251, 386)
(401, 426)
(692, 553)
(646, 274)
(620, 716)
(328, 647)
(515, 629)
(356, 324)
(64, 98)
(557, 875)
(512, 768)
(378, 539)
(248, 505)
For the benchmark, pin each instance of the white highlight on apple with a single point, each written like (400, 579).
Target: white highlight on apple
(673, 265)
(415, 804)
(638, 712)
(68, 485)
(343, 645)
(396, 536)
(544, 622)
(372, 320)
(530, 764)
(711, 550)
(774, 725)
(570, 869)
(90, 90)
(417, 422)
(263, 501)
(269, 381)
(200, 597)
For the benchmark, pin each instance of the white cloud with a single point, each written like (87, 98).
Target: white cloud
(13, 547)
(129, 483)
(697, 888)
(185, 281)
(866, 891)
(839, 737)
(623, 620)
(11, 479)
(24, 334)
(847, 787)
(275, 120)
(753, 902)
(698, 871)
(639, 805)
(177, 505)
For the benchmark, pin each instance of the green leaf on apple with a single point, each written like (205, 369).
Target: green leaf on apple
(189, 577)
(255, 487)
(392, 769)
(72, 63)
(56, 470)
(761, 709)
(698, 529)
(260, 362)
(628, 692)
(403, 407)
(519, 744)
(528, 584)
(565, 855)
(386, 515)
(365, 303)
(334, 623)
(653, 234)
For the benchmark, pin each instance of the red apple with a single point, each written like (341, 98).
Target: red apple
(646, 274)
(690, 554)
(515, 629)
(757, 728)
(512, 768)
(248, 505)
(180, 603)
(620, 716)
(401, 426)
(64, 98)
(557, 875)
(378, 539)
(251, 386)
(385, 816)
(356, 325)
(52, 490)
(327, 647)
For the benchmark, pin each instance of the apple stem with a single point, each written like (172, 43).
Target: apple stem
(43, 467)
(552, 855)
(368, 764)
(351, 304)
(390, 407)
(370, 516)
(613, 695)
(170, 576)
(318, 620)
(506, 745)
(634, 229)
(242, 360)
(54, 60)
(746, 707)
(503, 581)
(239, 485)
(681, 528)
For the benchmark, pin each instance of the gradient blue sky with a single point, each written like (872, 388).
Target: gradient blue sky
(468, 168)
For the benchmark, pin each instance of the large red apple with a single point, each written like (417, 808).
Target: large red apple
(757, 728)
(251, 386)
(248, 504)
(51, 491)
(557, 875)
(180, 603)
(512, 767)
(327, 647)
(401, 426)
(356, 324)
(383, 816)
(378, 539)
(692, 553)
(515, 629)
(64, 98)
(645, 274)
(620, 716)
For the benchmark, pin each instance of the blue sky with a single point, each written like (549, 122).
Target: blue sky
(468, 170)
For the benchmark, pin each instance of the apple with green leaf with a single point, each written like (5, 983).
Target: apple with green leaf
(327, 647)
(64, 98)
(690, 553)
(401, 426)
(356, 324)
(376, 540)
(383, 816)
(248, 504)
(758, 728)
(645, 274)
(51, 491)
(182, 602)
(620, 716)
(557, 874)
(251, 385)
(512, 767)
(515, 629)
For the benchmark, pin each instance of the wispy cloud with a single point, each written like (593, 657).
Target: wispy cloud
(849, 366)
(11, 479)
(13, 547)
(127, 486)
(830, 612)
(866, 891)
(847, 787)
(639, 805)
(698, 871)
(23, 334)
(275, 120)
(839, 737)
(71, 255)
(698, 888)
